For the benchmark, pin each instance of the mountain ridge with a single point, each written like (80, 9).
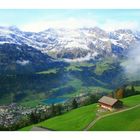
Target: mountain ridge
(73, 43)
(58, 46)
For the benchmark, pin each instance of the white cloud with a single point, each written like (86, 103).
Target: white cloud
(111, 25)
(71, 23)
(67, 23)
(86, 58)
(132, 64)
(23, 62)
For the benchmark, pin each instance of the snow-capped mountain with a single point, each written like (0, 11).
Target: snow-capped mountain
(73, 44)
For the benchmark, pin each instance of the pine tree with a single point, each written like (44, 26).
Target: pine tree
(133, 89)
(53, 111)
(74, 104)
(58, 109)
(34, 117)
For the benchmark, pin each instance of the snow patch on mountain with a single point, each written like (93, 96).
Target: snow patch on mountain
(79, 44)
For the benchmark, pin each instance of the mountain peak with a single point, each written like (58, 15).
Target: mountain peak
(72, 43)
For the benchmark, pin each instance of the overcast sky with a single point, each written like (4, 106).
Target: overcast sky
(38, 20)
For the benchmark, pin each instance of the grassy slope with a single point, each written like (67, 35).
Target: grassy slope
(131, 101)
(125, 121)
(79, 118)
(74, 120)
(103, 66)
(129, 120)
(27, 128)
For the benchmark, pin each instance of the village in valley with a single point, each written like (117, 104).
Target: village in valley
(14, 114)
(11, 114)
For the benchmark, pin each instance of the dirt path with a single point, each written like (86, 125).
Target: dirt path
(97, 119)
(38, 128)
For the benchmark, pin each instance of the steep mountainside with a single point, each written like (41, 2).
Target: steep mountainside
(73, 44)
(16, 58)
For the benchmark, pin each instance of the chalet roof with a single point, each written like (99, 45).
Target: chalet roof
(108, 100)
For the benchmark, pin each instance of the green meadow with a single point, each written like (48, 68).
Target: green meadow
(78, 119)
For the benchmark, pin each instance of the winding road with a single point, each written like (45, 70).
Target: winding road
(103, 116)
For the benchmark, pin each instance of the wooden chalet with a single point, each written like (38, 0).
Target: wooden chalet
(109, 103)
